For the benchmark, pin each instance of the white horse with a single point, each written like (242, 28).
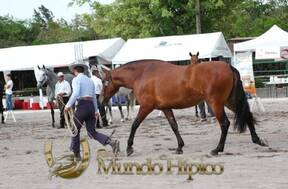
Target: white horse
(129, 103)
(49, 77)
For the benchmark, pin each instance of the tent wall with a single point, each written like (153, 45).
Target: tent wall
(56, 55)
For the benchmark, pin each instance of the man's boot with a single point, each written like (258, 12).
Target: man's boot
(77, 156)
(115, 145)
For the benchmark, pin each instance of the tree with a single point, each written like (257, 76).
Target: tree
(141, 18)
(145, 18)
(12, 32)
(43, 16)
(55, 31)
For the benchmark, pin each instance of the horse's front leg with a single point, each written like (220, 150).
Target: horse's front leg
(142, 113)
(118, 101)
(52, 113)
(172, 121)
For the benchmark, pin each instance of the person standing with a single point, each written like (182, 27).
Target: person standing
(202, 108)
(9, 92)
(1, 102)
(98, 88)
(62, 93)
(86, 110)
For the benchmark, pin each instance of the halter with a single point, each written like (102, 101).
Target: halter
(44, 80)
(106, 82)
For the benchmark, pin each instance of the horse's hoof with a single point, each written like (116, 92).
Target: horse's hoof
(122, 120)
(214, 152)
(127, 118)
(129, 151)
(263, 142)
(179, 151)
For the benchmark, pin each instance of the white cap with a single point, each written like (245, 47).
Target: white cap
(60, 74)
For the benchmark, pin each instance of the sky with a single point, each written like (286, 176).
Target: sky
(23, 9)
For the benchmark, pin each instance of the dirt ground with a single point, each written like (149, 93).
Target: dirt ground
(246, 165)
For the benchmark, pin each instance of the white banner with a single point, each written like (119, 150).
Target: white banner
(268, 53)
(243, 62)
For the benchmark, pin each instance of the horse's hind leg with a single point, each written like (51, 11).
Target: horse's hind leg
(172, 121)
(224, 124)
(142, 113)
(250, 122)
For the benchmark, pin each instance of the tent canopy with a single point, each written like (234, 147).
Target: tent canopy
(173, 48)
(274, 37)
(56, 55)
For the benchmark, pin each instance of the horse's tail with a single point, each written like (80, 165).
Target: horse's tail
(239, 104)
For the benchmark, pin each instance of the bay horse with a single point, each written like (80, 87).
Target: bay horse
(161, 85)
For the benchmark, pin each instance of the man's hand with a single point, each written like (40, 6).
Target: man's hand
(97, 115)
(67, 109)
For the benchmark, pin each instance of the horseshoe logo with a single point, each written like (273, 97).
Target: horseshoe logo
(65, 166)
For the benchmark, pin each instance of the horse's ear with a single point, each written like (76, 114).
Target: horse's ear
(38, 67)
(44, 67)
(190, 54)
(197, 54)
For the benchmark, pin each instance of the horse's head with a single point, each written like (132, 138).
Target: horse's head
(43, 76)
(194, 58)
(109, 86)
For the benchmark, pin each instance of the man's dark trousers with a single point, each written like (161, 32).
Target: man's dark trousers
(85, 112)
(62, 107)
(102, 113)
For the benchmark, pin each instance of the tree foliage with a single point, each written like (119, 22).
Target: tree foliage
(145, 18)
(42, 28)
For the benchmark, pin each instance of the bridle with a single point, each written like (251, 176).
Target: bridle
(107, 81)
(44, 79)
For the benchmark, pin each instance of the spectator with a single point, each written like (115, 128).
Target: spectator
(1, 103)
(9, 92)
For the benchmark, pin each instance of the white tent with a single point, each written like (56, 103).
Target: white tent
(173, 48)
(56, 55)
(274, 37)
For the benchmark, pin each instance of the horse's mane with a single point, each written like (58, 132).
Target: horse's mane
(50, 71)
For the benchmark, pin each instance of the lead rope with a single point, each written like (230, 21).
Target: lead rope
(69, 119)
(72, 128)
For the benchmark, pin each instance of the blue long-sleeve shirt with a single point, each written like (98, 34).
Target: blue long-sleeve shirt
(82, 86)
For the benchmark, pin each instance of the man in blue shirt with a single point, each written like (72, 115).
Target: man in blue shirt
(86, 110)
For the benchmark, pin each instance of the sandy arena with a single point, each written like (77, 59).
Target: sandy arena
(247, 165)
